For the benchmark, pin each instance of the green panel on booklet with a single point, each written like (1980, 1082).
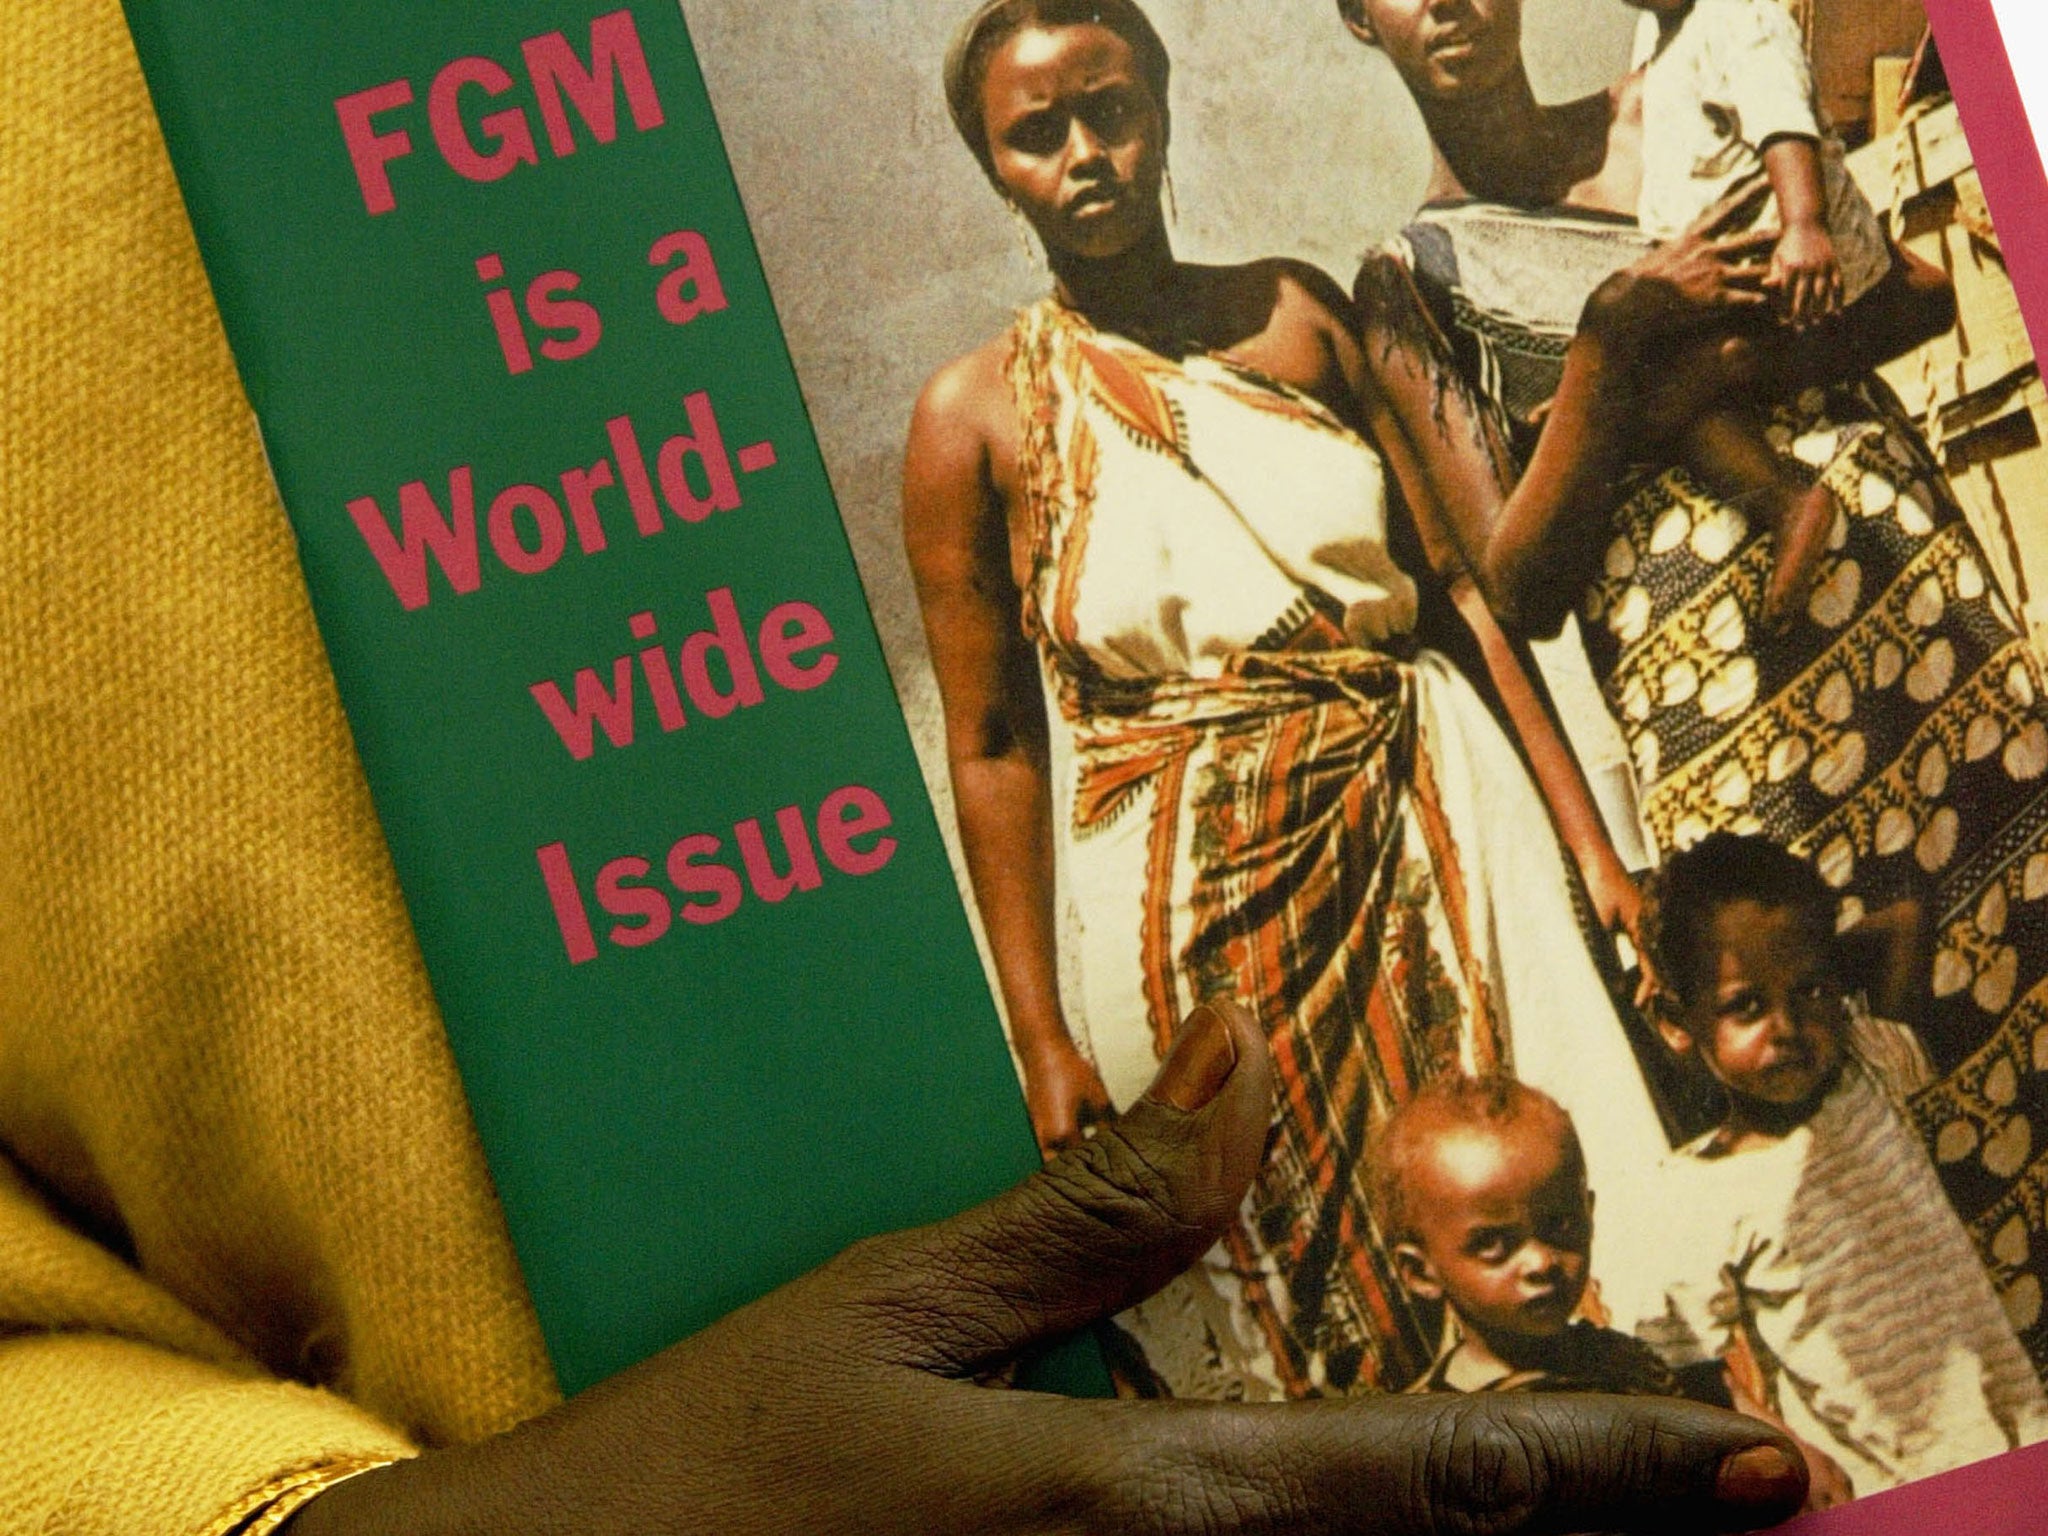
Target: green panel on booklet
(675, 1123)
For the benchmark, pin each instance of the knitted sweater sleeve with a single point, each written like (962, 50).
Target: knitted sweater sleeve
(120, 1436)
(122, 1410)
(247, 1241)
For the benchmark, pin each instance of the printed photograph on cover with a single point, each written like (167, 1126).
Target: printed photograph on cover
(1509, 536)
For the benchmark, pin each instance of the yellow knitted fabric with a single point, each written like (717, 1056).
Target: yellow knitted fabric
(243, 1155)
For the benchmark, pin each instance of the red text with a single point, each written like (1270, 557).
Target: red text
(497, 142)
(530, 527)
(770, 865)
(715, 669)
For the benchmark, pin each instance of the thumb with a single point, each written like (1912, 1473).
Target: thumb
(1099, 1227)
(1562, 1462)
(1489, 1464)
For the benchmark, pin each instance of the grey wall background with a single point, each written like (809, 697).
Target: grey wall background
(888, 254)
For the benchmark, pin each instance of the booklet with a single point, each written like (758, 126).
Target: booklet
(744, 824)
(601, 642)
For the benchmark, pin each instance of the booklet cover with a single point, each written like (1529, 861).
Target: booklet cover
(1151, 578)
(602, 646)
(1167, 513)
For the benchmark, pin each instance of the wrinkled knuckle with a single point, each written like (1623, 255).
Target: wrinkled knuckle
(1191, 1486)
(1485, 1468)
(903, 1299)
(1157, 1501)
(872, 1271)
(1640, 1453)
(1109, 1183)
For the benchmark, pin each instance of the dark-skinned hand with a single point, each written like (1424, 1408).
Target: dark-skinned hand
(849, 1400)
(1708, 275)
(1064, 1094)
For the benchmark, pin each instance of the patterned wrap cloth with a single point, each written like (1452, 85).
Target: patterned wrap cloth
(1896, 733)
(1260, 804)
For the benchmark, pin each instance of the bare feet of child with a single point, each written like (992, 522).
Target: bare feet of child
(1798, 541)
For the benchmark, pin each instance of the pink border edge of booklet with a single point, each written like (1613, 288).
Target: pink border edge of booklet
(1999, 1497)
(2005, 1495)
(1995, 122)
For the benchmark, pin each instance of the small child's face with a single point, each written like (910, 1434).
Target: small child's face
(1504, 1227)
(1769, 1025)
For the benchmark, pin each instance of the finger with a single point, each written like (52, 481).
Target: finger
(1053, 1124)
(1754, 277)
(1506, 1464)
(1745, 246)
(1100, 1226)
(1649, 984)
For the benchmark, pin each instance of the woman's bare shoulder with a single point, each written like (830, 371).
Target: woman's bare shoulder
(1388, 305)
(1296, 292)
(970, 384)
(961, 444)
(1281, 315)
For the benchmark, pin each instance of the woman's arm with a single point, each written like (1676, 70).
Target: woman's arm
(1456, 467)
(1471, 457)
(956, 534)
(1617, 901)
(1531, 543)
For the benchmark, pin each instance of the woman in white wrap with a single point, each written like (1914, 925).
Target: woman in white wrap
(1165, 501)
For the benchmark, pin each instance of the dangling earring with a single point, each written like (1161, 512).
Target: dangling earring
(1166, 185)
(1027, 237)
